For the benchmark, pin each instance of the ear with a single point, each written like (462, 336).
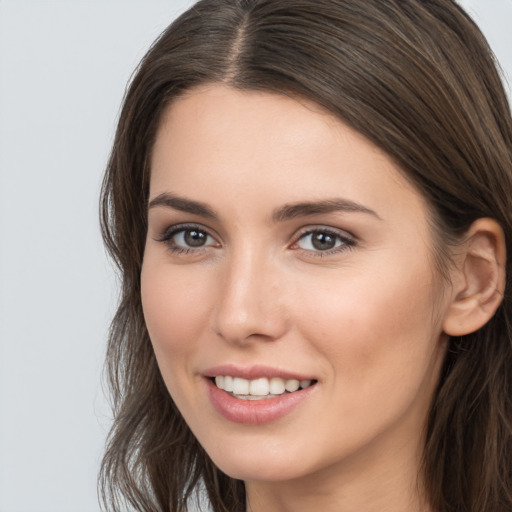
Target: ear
(479, 279)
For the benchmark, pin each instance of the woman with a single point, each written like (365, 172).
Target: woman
(309, 205)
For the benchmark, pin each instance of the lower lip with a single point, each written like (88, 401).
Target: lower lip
(255, 412)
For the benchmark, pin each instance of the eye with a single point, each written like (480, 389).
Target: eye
(191, 238)
(185, 239)
(323, 240)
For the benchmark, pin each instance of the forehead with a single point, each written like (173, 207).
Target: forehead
(215, 138)
(244, 119)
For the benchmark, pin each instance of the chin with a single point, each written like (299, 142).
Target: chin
(269, 463)
(269, 471)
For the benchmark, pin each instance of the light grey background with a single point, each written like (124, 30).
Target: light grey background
(63, 68)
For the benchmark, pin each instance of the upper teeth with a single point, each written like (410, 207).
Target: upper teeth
(259, 387)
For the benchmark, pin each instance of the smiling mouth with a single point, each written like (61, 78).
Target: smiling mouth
(259, 389)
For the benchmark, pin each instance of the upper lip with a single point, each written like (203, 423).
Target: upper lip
(254, 372)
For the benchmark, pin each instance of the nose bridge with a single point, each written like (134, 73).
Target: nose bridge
(249, 303)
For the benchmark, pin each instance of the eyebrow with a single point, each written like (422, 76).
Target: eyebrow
(292, 211)
(183, 205)
(281, 214)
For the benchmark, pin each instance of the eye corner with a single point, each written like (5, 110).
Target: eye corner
(187, 239)
(329, 241)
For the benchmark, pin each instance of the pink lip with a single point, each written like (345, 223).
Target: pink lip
(254, 412)
(253, 372)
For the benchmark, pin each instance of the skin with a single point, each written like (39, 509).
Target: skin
(366, 319)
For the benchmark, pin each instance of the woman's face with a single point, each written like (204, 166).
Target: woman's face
(283, 246)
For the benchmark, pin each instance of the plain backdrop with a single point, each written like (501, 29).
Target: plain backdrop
(64, 65)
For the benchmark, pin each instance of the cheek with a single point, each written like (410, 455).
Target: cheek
(376, 330)
(176, 310)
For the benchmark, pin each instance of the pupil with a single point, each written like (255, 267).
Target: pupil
(323, 241)
(195, 238)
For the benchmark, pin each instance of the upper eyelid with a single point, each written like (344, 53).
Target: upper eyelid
(349, 241)
(166, 237)
(172, 230)
(342, 233)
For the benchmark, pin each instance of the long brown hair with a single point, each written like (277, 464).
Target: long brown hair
(418, 79)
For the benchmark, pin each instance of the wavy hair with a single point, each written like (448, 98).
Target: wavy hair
(418, 79)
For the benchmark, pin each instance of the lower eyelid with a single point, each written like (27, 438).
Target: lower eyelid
(168, 238)
(335, 251)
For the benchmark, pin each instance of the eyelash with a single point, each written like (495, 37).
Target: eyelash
(347, 242)
(168, 235)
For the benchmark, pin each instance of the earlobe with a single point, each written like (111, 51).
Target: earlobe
(479, 281)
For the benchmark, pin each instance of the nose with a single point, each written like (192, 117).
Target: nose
(250, 300)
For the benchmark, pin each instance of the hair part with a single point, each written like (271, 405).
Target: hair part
(418, 79)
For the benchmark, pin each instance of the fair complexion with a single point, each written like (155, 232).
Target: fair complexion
(281, 243)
